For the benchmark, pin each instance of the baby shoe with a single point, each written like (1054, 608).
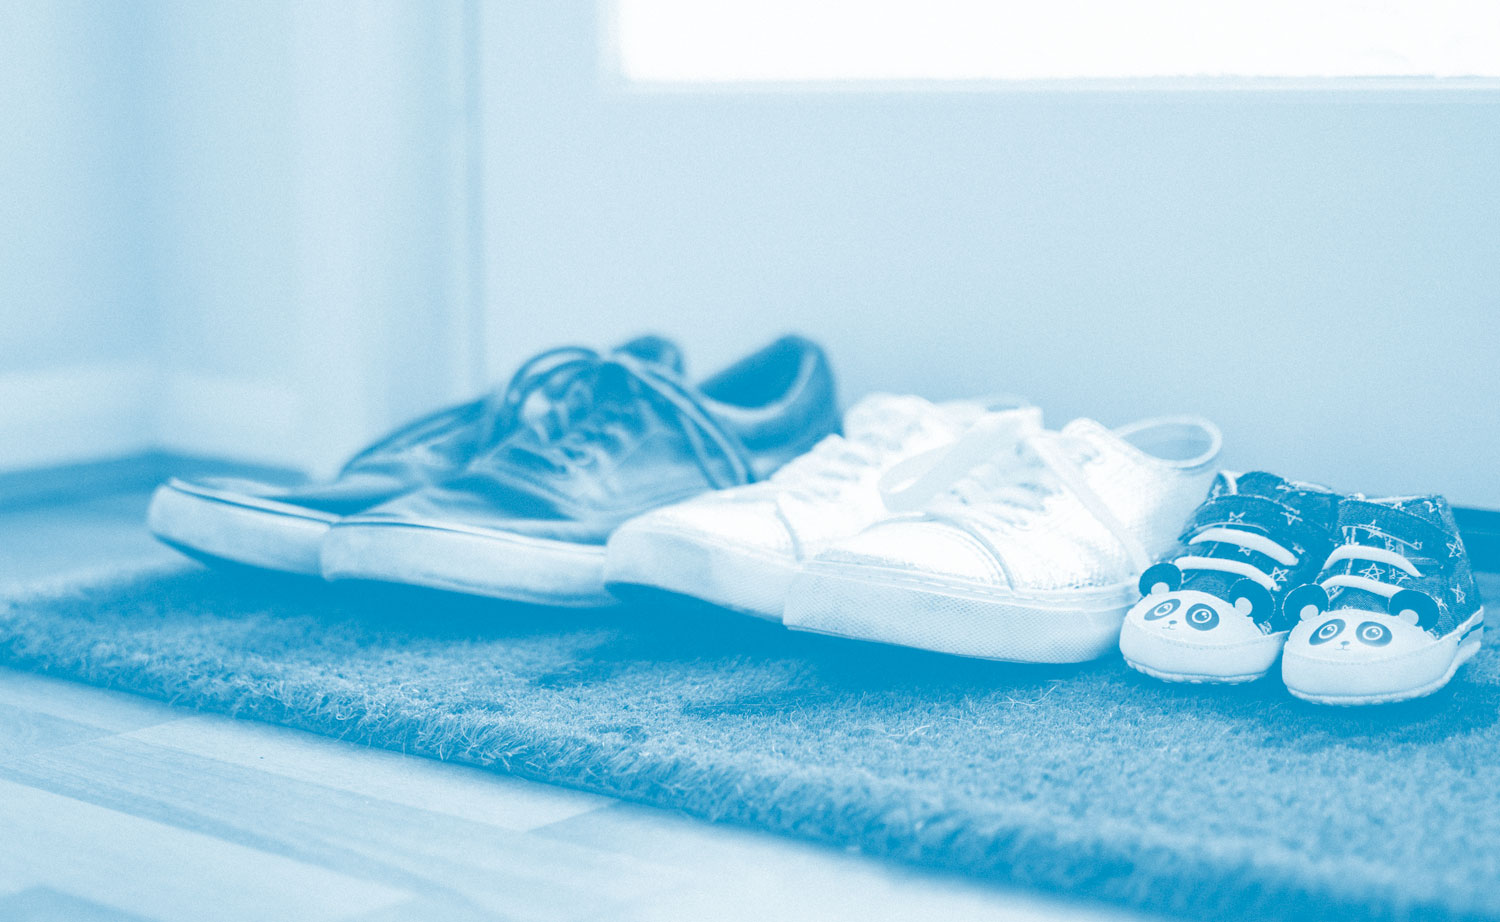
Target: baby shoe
(741, 547)
(1211, 609)
(1394, 611)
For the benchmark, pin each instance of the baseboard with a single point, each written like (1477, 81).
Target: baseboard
(215, 416)
(1481, 533)
(58, 416)
(143, 470)
(134, 473)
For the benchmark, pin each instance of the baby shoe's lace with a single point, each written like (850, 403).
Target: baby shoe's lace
(1247, 542)
(614, 418)
(1371, 579)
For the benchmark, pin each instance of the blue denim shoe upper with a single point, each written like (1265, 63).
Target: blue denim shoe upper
(647, 439)
(1257, 537)
(544, 395)
(1400, 556)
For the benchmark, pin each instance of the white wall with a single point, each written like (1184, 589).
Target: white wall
(1317, 272)
(74, 337)
(253, 229)
(244, 227)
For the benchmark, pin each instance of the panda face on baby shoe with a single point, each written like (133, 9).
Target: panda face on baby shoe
(1198, 617)
(1360, 632)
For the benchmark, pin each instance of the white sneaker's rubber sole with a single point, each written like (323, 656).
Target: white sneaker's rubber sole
(220, 525)
(887, 606)
(1383, 681)
(731, 577)
(500, 565)
(1155, 654)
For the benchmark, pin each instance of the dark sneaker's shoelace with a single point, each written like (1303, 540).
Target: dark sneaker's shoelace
(553, 372)
(609, 418)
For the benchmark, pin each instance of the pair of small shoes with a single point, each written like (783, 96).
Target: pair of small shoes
(1364, 600)
(957, 528)
(512, 495)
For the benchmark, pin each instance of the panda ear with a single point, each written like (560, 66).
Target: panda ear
(1161, 574)
(1416, 602)
(1298, 600)
(1251, 598)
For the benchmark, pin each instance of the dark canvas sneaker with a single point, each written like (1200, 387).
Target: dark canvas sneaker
(1211, 609)
(1394, 612)
(528, 521)
(282, 528)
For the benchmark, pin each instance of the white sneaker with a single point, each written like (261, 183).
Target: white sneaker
(1031, 557)
(740, 548)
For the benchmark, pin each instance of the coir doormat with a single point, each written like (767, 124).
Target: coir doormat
(1237, 803)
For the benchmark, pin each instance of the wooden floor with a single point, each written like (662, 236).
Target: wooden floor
(113, 807)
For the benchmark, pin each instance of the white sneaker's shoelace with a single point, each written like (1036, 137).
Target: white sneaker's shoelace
(834, 463)
(1249, 541)
(1000, 473)
(840, 460)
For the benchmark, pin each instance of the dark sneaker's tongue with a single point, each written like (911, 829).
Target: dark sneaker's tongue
(657, 350)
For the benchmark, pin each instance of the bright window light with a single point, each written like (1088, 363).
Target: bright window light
(727, 41)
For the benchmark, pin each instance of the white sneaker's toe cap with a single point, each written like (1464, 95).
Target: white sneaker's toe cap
(751, 525)
(931, 550)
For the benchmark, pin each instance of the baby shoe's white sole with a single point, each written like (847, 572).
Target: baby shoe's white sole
(1153, 653)
(693, 565)
(500, 565)
(874, 603)
(1357, 682)
(221, 525)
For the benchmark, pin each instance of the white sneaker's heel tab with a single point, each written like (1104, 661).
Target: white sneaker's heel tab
(1184, 442)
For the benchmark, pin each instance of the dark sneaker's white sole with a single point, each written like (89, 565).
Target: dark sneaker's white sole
(219, 525)
(499, 565)
(870, 603)
(729, 577)
(1414, 675)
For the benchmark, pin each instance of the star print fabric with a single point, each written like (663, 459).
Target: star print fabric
(1301, 518)
(1420, 529)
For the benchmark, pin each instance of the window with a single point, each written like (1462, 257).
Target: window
(782, 41)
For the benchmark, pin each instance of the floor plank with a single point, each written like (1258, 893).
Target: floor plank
(24, 731)
(757, 875)
(100, 708)
(42, 904)
(354, 834)
(166, 873)
(458, 791)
